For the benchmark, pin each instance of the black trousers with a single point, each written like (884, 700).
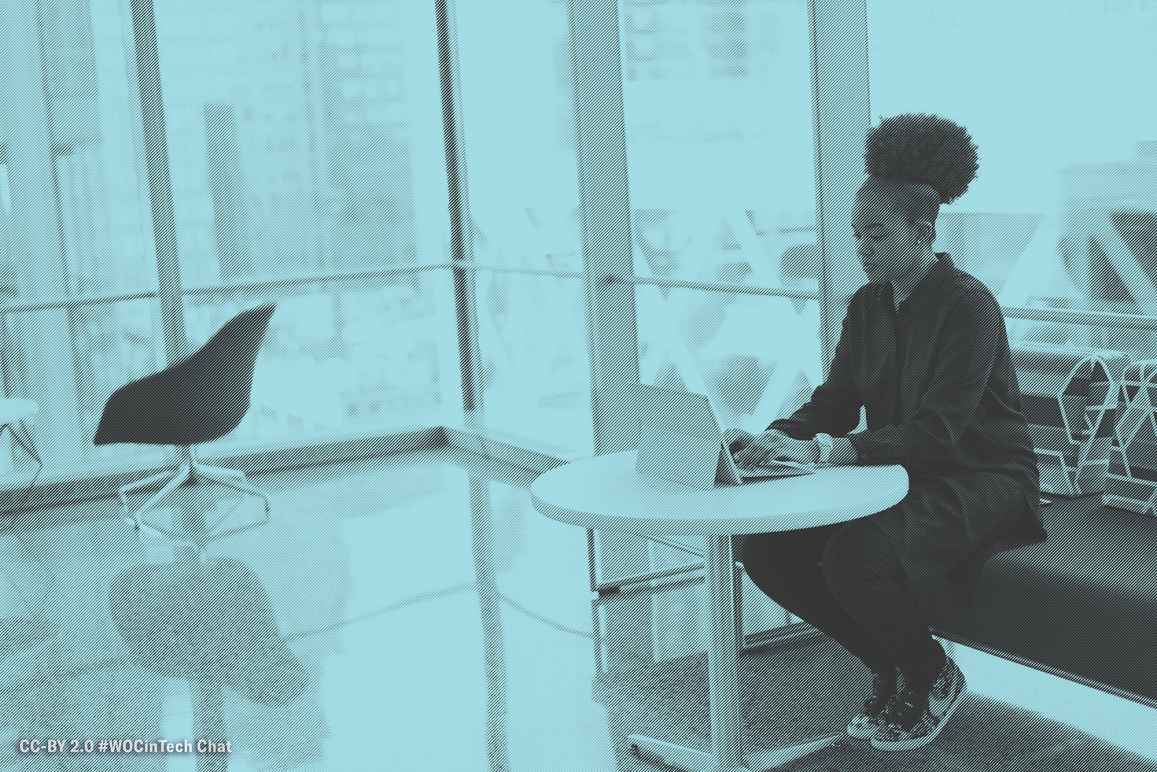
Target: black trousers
(846, 580)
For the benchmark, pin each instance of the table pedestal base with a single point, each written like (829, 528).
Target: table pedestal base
(693, 760)
(726, 710)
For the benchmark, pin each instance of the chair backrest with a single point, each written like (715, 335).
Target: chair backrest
(199, 399)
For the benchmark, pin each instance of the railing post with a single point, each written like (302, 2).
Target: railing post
(461, 224)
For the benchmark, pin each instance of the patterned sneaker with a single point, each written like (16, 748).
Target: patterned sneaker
(912, 720)
(866, 723)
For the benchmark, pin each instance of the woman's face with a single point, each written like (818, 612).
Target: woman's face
(888, 244)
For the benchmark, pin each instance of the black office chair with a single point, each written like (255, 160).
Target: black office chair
(199, 399)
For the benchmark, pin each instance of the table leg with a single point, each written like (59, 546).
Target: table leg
(723, 656)
(726, 698)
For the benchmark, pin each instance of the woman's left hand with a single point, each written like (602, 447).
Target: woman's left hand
(773, 445)
(803, 451)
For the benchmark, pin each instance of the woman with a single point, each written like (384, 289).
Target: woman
(924, 349)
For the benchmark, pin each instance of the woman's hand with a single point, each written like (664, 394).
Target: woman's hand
(737, 439)
(774, 444)
(803, 451)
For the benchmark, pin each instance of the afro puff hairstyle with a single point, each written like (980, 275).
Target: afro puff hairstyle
(917, 147)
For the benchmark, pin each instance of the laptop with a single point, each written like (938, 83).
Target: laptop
(680, 440)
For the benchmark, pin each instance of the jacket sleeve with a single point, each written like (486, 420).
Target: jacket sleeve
(966, 352)
(834, 407)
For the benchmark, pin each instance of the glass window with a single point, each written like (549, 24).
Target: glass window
(518, 143)
(722, 179)
(343, 99)
(721, 148)
(535, 369)
(76, 215)
(720, 139)
(1061, 214)
(347, 362)
(320, 90)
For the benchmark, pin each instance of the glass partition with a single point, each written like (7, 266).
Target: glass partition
(305, 141)
(377, 358)
(75, 213)
(1062, 213)
(721, 150)
(517, 133)
(720, 138)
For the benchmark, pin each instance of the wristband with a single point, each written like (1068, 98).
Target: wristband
(824, 442)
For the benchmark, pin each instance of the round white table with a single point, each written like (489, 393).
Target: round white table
(605, 492)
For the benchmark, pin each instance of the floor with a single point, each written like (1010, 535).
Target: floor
(796, 694)
(416, 613)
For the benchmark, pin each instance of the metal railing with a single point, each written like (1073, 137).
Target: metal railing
(713, 286)
(356, 278)
(478, 267)
(1088, 318)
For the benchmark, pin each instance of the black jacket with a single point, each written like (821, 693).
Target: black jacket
(942, 400)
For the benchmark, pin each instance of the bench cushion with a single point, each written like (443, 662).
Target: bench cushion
(1084, 602)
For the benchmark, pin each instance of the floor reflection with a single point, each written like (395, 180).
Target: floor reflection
(206, 622)
(484, 541)
(407, 613)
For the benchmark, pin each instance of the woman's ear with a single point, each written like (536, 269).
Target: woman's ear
(927, 231)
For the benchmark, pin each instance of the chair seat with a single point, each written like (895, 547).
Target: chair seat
(1083, 602)
(13, 410)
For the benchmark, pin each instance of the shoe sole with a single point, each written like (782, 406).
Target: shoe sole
(864, 732)
(919, 742)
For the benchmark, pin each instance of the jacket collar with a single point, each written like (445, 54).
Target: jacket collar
(925, 290)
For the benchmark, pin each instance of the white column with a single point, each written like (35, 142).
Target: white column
(605, 211)
(842, 118)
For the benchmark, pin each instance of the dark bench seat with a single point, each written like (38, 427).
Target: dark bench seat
(1082, 604)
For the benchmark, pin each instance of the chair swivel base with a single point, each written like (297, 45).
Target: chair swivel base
(189, 472)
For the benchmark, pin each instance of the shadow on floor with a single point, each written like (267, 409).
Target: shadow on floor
(796, 693)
